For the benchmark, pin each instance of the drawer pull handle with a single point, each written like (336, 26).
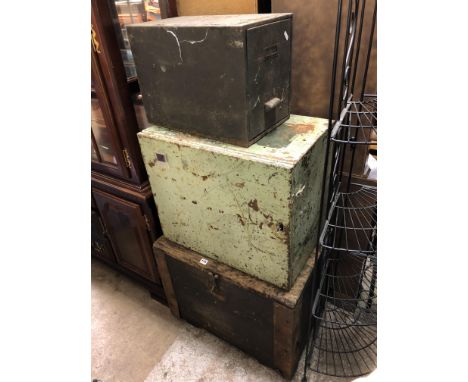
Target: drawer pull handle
(271, 104)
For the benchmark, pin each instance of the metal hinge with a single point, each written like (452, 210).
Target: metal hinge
(94, 41)
(128, 162)
(148, 226)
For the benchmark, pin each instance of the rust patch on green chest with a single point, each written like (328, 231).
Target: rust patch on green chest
(253, 204)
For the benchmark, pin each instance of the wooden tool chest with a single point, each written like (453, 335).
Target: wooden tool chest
(264, 321)
(220, 76)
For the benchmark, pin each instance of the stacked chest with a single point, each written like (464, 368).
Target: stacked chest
(255, 209)
(262, 320)
(225, 77)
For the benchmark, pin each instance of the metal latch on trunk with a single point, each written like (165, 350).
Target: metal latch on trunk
(214, 286)
(214, 281)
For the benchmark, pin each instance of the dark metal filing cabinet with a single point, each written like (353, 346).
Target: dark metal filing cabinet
(223, 77)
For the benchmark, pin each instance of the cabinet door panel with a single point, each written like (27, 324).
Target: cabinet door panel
(106, 153)
(127, 231)
(99, 243)
(101, 136)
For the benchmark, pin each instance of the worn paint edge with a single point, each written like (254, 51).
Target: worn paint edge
(188, 140)
(284, 321)
(288, 298)
(292, 200)
(233, 151)
(166, 279)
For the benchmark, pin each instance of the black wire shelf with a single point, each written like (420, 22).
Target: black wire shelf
(337, 352)
(342, 334)
(352, 222)
(345, 308)
(348, 285)
(358, 123)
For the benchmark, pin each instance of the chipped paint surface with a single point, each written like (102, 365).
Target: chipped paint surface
(236, 204)
(173, 33)
(306, 190)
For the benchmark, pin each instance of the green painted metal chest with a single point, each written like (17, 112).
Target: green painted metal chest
(255, 209)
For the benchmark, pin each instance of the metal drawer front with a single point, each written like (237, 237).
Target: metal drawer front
(268, 75)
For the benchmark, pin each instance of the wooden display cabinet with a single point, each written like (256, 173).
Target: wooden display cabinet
(114, 124)
(124, 220)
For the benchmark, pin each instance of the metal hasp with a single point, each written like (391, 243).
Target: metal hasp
(223, 77)
(342, 336)
(255, 209)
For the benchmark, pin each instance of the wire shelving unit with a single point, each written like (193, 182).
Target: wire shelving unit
(345, 310)
(342, 338)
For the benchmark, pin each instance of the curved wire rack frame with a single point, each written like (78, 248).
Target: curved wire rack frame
(342, 331)
(345, 308)
(359, 125)
(352, 222)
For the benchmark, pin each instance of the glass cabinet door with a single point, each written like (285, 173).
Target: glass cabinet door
(131, 12)
(103, 148)
(107, 154)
